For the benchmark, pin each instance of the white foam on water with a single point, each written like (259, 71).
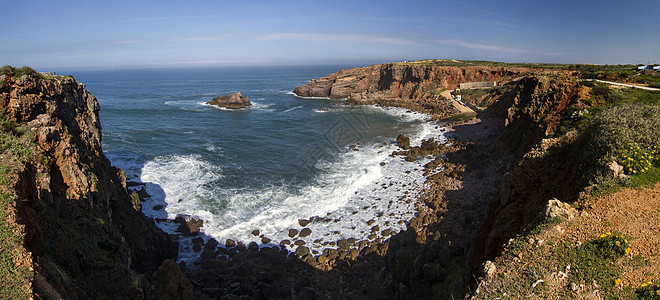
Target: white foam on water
(351, 192)
(293, 108)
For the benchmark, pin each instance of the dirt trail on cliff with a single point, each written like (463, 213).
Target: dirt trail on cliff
(460, 107)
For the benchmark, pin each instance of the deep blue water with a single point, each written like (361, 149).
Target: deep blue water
(262, 167)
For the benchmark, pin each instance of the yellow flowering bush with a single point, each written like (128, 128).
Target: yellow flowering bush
(648, 290)
(636, 159)
(612, 245)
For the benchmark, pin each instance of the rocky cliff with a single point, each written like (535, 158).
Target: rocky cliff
(415, 87)
(85, 230)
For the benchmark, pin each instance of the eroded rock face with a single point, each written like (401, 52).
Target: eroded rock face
(88, 212)
(401, 85)
(231, 101)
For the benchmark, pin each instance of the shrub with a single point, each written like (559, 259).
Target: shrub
(648, 290)
(635, 159)
(615, 130)
(25, 70)
(612, 246)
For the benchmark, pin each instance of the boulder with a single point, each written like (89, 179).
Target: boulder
(171, 283)
(403, 142)
(305, 232)
(231, 101)
(556, 208)
(188, 225)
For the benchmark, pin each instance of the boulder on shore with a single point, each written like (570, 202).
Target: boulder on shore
(231, 101)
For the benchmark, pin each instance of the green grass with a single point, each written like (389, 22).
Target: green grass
(459, 118)
(14, 279)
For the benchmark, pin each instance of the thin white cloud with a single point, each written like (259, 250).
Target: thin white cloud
(350, 38)
(128, 42)
(472, 45)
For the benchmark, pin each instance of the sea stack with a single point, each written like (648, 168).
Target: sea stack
(231, 101)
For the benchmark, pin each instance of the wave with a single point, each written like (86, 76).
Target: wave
(293, 108)
(363, 188)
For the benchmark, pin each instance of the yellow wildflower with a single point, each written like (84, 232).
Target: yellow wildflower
(617, 281)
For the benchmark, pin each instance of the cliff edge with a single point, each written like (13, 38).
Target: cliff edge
(416, 87)
(85, 231)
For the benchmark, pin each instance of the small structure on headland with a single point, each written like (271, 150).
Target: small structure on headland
(47, 73)
(478, 84)
(231, 101)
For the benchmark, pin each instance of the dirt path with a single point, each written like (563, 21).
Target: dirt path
(462, 108)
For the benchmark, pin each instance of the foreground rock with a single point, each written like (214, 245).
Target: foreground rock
(87, 238)
(231, 101)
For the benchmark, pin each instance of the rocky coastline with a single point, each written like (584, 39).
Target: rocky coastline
(85, 199)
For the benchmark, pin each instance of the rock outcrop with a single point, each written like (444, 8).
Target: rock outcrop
(86, 236)
(401, 85)
(231, 101)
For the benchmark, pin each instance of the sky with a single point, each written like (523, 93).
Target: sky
(141, 34)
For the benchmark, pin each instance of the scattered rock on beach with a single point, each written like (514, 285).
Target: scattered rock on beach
(293, 233)
(305, 232)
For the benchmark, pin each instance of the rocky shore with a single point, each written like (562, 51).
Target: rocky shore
(90, 211)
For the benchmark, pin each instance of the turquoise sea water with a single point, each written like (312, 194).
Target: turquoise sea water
(264, 167)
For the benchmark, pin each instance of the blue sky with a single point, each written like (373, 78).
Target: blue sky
(120, 34)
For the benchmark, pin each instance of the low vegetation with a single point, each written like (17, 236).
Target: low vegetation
(15, 149)
(19, 72)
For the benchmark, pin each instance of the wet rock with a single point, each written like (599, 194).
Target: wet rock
(331, 253)
(403, 142)
(230, 243)
(253, 247)
(343, 244)
(188, 225)
(198, 240)
(299, 243)
(197, 247)
(302, 251)
(265, 240)
(255, 232)
(305, 232)
(211, 244)
(142, 193)
(231, 101)
(303, 222)
(370, 222)
(293, 233)
(158, 207)
(240, 246)
(386, 232)
(375, 228)
(351, 241)
(285, 242)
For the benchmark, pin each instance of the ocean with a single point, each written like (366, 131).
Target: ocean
(264, 167)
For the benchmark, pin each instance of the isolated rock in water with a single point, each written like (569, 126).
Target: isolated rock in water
(188, 225)
(231, 101)
(403, 141)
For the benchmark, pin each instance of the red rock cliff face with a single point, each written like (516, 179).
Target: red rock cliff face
(532, 107)
(89, 237)
(415, 87)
